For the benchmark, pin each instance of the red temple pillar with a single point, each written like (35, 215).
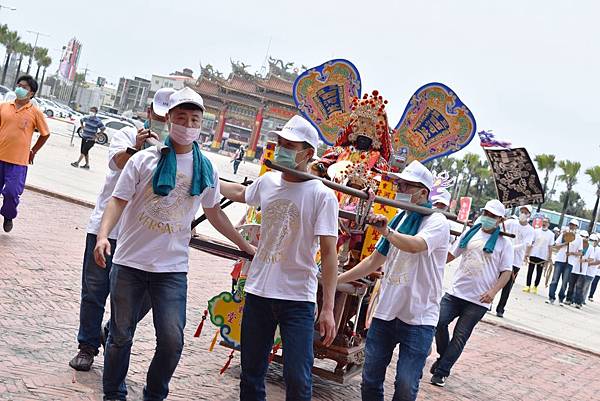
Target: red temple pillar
(216, 144)
(251, 153)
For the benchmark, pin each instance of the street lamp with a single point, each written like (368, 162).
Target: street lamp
(7, 7)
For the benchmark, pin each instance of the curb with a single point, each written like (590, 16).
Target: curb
(65, 198)
(542, 337)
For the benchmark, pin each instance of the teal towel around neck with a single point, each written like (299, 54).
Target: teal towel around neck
(165, 175)
(410, 226)
(490, 243)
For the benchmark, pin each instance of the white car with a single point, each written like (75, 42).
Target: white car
(111, 126)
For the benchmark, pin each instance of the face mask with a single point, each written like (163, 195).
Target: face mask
(487, 223)
(286, 157)
(160, 128)
(524, 218)
(21, 93)
(545, 228)
(93, 114)
(183, 135)
(403, 197)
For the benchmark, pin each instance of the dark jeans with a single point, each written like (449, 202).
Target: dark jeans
(581, 287)
(593, 287)
(562, 271)
(538, 265)
(12, 184)
(296, 320)
(95, 286)
(469, 314)
(236, 165)
(382, 338)
(574, 279)
(506, 290)
(168, 293)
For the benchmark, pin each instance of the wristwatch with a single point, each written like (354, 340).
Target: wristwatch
(131, 151)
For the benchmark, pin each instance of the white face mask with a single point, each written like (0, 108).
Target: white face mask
(183, 135)
(524, 217)
(403, 197)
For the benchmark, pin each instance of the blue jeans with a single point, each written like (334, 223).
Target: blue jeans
(593, 287)
(574, 281)
(469, 314)
(581, 292)
(382, 338)
(168, 293)
(562, 271)
(95, 287)
(296, 320)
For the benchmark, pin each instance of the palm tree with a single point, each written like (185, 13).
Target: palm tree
(10, 40)
(471, 164)
(45, 62)
(547, 164)
(569, 177)
(594, 174)
(482, 173)
(21, 49)
(40, 53)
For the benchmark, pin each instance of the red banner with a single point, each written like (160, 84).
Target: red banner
(465, 208)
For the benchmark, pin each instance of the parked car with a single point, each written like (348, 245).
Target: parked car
(112, 125)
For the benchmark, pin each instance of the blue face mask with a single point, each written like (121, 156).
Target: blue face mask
(21, 93)
(286, 157)
(488, 223)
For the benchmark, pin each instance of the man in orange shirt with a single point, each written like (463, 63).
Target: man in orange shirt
(18, 120)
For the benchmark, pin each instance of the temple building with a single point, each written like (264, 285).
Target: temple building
(242, 108)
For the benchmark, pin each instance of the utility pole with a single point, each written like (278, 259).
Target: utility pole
(37, 35)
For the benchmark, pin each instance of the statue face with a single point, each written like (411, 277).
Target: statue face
(363, 142)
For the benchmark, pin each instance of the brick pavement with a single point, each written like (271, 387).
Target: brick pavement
(39, 301)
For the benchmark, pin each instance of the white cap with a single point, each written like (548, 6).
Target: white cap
(574, 222)
(528, 207)
(443, 197)
(584, 233)
(298, 129)
(160, 102)
(556, 229)
(495, 207)
(185, 95)
(594, 237)
(416, 172)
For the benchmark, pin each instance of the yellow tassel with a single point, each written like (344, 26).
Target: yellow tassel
(213, 342)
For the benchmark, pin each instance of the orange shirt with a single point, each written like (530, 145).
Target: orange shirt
(16, 131)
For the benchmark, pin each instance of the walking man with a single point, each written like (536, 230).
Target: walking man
(95, 284)
(91, 126)
(566, 256)
(238, 157)
(592, 258)
(281, 288)
(18, 120)
(524, 235)
(540, 255)
(413, 253)
(157, 196)
(485, 268)
(579, 270)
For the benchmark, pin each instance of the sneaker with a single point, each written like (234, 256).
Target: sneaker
(550, 301)
(85, 167)
(434, 366)
(500, 314)
(83, 360)
(591, 299)
(439, 381)
(8, 225)
(561, 303)
(534, 290)
(568, 302)
(75, 164)
(577, 306)
(526, 289)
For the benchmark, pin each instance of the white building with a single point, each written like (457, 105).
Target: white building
(167, 81)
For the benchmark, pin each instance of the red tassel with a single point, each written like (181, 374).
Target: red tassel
(227, 363)
(275, 349)
(199, 329)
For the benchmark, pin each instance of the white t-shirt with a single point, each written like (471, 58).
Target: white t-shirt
(575, 246)
(156, 230)
(478, 271)
(541, 241)
(524, 235)
(593, 271)
(119, 142)
(411, 287)
(581, 268)
(294, 215)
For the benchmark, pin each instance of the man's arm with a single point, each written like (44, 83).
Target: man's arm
(38, 145)
(235, 192)
(406, 243)
(112, 214)
(488, 296)
(329, 282)
(364, 268)
(120, 158)
(221, 222)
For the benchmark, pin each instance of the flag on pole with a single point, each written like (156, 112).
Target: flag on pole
(488, 140)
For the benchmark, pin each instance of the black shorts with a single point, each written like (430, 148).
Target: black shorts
(86, 145)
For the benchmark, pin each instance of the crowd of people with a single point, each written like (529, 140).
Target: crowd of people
(137, 249)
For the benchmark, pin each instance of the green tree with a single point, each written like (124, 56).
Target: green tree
(21, 49)
(10, 40)
(594, 174)
(471, 163)
(39, 54)
(45, 63)
(547, 164)
(570, 169)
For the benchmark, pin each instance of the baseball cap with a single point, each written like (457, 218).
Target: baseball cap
(416, 172)
(574, 222)
(185, 95)
(298, 129)
(584, 233)
(443, 197)
(594, 237)
(528, 207)
(160, 101)
(495, 207)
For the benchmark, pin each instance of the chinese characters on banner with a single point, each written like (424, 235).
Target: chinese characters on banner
(465, 208)
(386, 190)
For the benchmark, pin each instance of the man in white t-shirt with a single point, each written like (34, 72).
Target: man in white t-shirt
(484, 269)
(156, 198)
(413, 253)
(593, 259)
(95, 280)
(540, 255)
(524, 235)
(565, 259)
(578, 277)
(298, 217)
